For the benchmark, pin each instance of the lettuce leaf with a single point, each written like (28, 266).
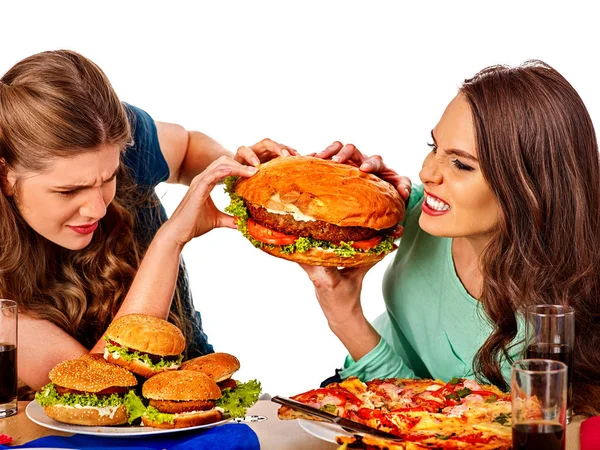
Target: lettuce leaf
(238, 209)
(49, 396)
(236, 401)
(155, 415)
(134, 405)
(129, 355)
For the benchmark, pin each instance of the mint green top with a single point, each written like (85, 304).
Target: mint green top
(432, 327)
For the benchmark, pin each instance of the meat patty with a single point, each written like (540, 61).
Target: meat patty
(170, 407)
(317, 229)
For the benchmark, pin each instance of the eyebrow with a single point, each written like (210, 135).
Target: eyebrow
(73, 187)
(456, 151)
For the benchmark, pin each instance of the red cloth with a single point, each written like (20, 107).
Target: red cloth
(589, 435)
(5, 439)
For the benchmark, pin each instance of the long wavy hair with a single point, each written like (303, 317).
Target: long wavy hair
(55, 105)
(538, 151)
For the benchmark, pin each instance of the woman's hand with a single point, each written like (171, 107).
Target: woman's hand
(262, 151)
(373, 164)
(338, 292)
(196, 213)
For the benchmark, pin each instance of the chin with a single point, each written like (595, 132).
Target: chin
(75, 244)
(428, 225)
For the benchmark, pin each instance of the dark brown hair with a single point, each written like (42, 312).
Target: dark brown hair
(538, 151)
(59, 104)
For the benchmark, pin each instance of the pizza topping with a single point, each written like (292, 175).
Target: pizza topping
(502, 419)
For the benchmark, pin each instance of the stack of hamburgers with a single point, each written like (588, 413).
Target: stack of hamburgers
(101, 391)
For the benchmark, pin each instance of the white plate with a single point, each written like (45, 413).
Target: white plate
(36, 413)
(322, 430)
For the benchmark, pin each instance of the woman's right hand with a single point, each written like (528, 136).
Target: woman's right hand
(197, 214)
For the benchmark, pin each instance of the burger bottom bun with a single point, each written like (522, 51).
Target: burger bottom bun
(185, 420)
(135, 366)
(86, 416)
(319, 257)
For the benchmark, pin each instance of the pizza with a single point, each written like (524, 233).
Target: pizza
(431, 414)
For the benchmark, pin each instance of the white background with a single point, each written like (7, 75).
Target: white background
(377, 74)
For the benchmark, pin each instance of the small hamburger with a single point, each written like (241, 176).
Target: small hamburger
(316, 211)
(180, 399)
(219, 367)
(237, 397)
(144, 344)
(88, 391)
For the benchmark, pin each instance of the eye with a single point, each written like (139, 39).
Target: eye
(433, 147)
(67, 193)
(461, 166)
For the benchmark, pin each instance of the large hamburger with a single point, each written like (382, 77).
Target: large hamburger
(144, 344)
(179, 399)
(316, 211)
(88, 391)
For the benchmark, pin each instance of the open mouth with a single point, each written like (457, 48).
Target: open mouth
(436, 204)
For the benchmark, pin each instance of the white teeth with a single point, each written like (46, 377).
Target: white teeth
(436, 205)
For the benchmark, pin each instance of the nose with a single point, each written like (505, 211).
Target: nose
(430, 172)
(94, 206)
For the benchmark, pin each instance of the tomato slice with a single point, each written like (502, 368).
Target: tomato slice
(267, 235)
(367, 244)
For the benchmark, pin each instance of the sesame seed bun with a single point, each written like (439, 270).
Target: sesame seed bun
(217, 366)
(181, 385)
(90, 374)
(87, 416)
(186, 419)
(147, 334)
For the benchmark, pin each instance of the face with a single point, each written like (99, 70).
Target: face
(458, 201)
(65, 202)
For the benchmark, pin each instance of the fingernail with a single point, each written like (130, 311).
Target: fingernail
(365, 166)
(253, 169)
(285, 152)
(255, 161)
(336, 158)
(407, 191)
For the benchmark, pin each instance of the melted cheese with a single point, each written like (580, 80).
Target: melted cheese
(287, 208)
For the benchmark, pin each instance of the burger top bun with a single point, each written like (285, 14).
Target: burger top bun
(181, 385)
(337, 193)
(146, 334)
(217, 366)
(90, 374)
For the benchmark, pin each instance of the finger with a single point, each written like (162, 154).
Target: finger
(225, 220)
(247, 154)
(405, 187)
(398, 232)
(292, 151)
(349, 153)
(269, 145)
(372, 164)
(330, 150)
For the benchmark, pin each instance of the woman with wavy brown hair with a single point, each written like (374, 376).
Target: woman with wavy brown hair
(83, 237)
(508, 216)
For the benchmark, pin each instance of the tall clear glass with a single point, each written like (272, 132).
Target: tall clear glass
(550, 334)
(539, 404)
(8, 358)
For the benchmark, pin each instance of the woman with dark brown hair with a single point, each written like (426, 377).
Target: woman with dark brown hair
(508, 216)
(83, 237)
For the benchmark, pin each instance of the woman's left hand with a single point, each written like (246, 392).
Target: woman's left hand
(262, 151)
(373, 164)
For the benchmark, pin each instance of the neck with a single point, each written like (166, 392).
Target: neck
(466, 254)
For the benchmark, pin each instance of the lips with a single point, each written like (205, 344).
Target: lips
(84, 229)
(434, 206)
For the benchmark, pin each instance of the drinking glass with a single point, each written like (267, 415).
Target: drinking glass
(550, 334)
(539, 404)
(8, 358)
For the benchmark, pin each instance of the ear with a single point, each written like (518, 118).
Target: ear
(7, 179)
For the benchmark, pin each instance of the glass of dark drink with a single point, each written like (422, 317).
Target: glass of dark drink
(550, 334)
(539, 404)
(8, 358)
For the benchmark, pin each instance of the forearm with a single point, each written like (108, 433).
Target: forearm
(201, 151)
(152, 289)
(355, 332)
